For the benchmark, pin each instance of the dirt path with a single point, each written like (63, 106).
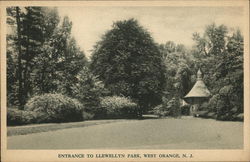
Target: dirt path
(185, 133)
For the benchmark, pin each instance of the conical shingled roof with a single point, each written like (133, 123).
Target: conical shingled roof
(199, 89)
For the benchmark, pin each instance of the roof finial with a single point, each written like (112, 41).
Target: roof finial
(199, 75)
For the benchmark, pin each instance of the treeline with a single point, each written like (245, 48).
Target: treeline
(218, 52)
(42, 56)
(128, 74)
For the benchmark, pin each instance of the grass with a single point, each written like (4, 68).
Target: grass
(37, 128)
(165, 133)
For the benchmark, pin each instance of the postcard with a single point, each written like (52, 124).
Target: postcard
(125, 80)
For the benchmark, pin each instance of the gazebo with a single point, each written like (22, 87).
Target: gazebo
(198, 94)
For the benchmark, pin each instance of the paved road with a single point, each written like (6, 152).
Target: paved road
(185, 133)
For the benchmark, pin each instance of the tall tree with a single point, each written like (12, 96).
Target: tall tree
(20, 80)
(209, 50)
(14, 78)
(47, 56)
(178, 69)
(31, 32)
(15, 56)
(59, 62)
(220, 55)
(129, 63)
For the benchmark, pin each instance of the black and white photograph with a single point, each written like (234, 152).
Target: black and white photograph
(125, 77)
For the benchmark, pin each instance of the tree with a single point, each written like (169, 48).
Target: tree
(213, 41)
(178, 76)
(230, 71)
(42, 56)
(60, 61)
(209, 50)
(178, 69)
(30, 27)
(88, 90)
(20, 80)
(220, 55)
(14, 56)
(129, 63)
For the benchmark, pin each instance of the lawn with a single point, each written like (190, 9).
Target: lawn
(38, 128)
(169, 133)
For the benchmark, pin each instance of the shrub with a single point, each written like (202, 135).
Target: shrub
(185, 109)
(117, 107)
(173, 107)
(87, 116)
(168, 108)
(220, 107)
(56, 107)
(14, 117)
(240, 117)
(212, 104)
(88, 91)
(161, 111)
(227, 103)
(157, 110)
(20, 117)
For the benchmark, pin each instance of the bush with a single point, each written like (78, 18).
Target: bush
(88, 91)
(87, 116)
(20, 117)
(173, 107)
(56, 107)
(222, 108)
(226, 104)
(212, 104)
(240, 117)
(168, 108)
(185, 109)
(161, 111)
(117, 107)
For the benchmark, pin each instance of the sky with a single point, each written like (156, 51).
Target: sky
(164, 23)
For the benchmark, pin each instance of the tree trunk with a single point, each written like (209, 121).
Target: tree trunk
(26, 73)
(20, 81)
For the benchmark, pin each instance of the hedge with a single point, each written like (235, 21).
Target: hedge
(117, 107)
(57, 107)
(22, 117)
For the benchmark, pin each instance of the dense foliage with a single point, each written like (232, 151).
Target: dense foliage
(89, 90)
(49, 73)
(42, 56)
(129, 63)
(21, 117)
(160, 111)
(168, 108)
(56, 107)
(118, 107)
(220, 55)
(179, 74)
